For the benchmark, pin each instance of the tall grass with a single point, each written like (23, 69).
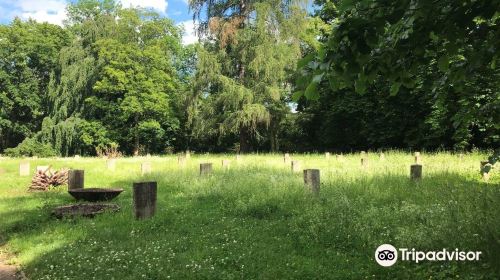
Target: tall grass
(257, 221)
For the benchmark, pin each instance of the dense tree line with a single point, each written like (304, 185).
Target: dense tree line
(266, 76)
(425, 72)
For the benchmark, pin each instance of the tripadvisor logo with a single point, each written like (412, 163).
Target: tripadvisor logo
(387, 255)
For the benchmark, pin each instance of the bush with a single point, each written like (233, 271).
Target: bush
(31, 147)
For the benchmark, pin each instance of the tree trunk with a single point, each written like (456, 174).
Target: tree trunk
(241, 70)
(136, 142)
(244, 140)
(273, 136)
(243, 11)
(272, 142)
(244, 135)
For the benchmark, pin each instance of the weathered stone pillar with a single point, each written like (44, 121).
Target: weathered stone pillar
(312, 180)
(181, 160)
(205, 168)
(286, 158)
(416, 172)
(418, 159)
(364, 162)
(144, 197)
(111, 163)
(24, 168)
(295, 166)
(76, 179)
(145, 168)
(226, 164)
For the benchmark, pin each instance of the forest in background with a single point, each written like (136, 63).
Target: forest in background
(266, 76)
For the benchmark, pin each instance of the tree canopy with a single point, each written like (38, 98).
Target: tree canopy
(447, 50)
(266, 76)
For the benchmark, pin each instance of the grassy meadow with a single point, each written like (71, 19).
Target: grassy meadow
(256, 221)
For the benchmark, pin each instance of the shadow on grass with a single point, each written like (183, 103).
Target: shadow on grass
(266, 226)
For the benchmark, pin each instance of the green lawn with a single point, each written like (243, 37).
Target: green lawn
(256, 221)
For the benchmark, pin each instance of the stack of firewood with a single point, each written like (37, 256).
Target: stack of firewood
(44, 179)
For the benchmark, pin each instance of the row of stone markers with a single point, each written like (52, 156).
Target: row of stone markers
(415, 169)
(364, 160)
(24, 168)
(145, 193)
(206, 168)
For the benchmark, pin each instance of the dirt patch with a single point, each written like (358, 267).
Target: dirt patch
(9, 271)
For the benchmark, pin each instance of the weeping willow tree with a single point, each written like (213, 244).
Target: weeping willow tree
(242, 79)
(73, 78)
(75, 74)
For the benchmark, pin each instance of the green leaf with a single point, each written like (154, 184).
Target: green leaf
(312, 91)
(395, 89)
(297, 95)
(324, 66)
(317, 78)
(322, 53)
(433, 36)
(345, 5)
(303, 81)
(360, 86)
(304, 61)
(334, 84)
(443, 63)
(313, 65)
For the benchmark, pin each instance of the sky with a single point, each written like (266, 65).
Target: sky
(54, 11)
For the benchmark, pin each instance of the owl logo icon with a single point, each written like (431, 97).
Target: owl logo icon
(386, 255)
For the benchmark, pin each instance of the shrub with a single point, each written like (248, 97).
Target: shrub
(31, 147)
